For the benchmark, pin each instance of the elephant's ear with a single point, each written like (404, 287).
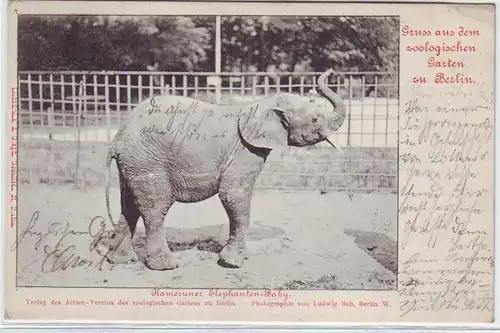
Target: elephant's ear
(264, 128)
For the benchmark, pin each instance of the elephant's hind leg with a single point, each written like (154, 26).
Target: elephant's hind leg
(154, 199)
(121, 249)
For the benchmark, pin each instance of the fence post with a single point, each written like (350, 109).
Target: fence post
(50, 121)
(96, 107)
(30, 102)
(266, 85)
(51, 91)
(349, 143)
(84, 118)
(106, 106)
(174, 86)
(151, 79)
(129, 91)
(254, 87)
(139, 90)
(73, 97)
(118, 99)
(63, 101)
(218, 57)
(196, 83)
(184, 86)
(40, 98)
(162, 85)
(80, 97)
(231, 88)
(242, 85)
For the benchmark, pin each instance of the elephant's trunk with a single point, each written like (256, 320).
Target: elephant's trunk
(337, 102)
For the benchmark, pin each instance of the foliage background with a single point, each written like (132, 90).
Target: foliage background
(167, 43)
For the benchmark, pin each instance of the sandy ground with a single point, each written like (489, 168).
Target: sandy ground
(297, 240)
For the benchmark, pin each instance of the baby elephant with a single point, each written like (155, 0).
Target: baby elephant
(178, 149)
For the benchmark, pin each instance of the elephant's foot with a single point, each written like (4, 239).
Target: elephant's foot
(163, 262)
(122, 257)
(116, 251)
(233, 255)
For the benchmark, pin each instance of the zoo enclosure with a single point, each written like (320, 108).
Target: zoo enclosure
(91, 106)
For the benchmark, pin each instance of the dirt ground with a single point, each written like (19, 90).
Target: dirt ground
(297, 240)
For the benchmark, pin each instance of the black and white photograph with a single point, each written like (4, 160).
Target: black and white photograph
(185, 152)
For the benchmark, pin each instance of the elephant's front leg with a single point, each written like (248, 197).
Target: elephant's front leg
(236, 202)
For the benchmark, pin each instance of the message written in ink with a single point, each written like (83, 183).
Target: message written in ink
(446, 167)
(439, 56)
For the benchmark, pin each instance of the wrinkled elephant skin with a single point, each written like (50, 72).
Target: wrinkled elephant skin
(177, 149)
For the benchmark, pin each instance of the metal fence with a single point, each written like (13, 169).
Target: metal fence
(91, 106)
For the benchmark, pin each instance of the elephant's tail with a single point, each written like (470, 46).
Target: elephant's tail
(109, 158)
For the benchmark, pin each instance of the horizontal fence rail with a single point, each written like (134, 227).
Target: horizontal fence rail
(91, 106)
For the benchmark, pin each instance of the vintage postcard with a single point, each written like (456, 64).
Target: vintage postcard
(227, 163)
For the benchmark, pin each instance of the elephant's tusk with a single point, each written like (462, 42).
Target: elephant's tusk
(330, 141)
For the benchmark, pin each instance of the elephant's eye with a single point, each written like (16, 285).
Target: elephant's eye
(314, 119)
